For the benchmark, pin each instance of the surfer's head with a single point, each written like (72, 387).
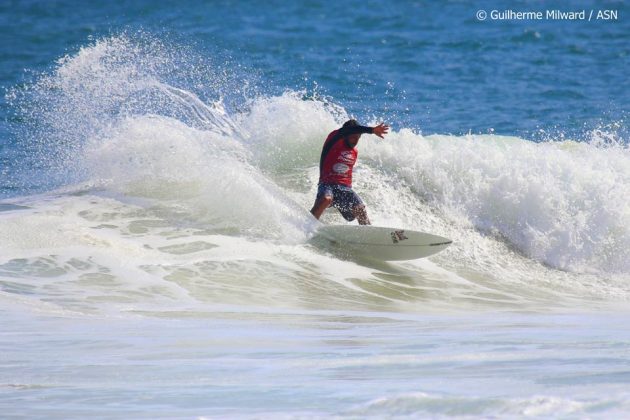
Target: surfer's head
(354, 138)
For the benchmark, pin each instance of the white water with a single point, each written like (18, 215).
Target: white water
(173, 273)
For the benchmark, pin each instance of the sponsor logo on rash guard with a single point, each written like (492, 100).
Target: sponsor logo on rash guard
(347, 157)
(340, 168)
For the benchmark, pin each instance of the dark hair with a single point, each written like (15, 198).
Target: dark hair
(350, 123)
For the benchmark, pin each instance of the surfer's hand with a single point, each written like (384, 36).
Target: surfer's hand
(380, 130)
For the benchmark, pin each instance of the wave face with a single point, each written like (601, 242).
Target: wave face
(164, 180)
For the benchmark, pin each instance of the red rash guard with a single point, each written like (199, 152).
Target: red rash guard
(338, 158)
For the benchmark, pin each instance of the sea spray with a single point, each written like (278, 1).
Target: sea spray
(516, 209)
(562, 203)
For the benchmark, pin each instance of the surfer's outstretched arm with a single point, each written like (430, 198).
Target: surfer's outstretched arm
(380, 130)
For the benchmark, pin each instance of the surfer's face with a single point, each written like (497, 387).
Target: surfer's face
(354, 139)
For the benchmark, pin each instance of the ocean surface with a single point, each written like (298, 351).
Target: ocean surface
(158, 161)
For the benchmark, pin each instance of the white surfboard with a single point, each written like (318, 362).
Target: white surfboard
(388, 244)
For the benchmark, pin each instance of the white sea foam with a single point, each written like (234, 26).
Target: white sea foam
(185, 191)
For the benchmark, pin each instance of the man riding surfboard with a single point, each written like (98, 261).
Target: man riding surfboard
(338, 157)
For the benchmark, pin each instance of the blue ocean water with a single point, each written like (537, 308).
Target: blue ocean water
(433, 66)
(429, 66)
(157, 164)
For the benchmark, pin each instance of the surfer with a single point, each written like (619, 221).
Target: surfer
(339, 155)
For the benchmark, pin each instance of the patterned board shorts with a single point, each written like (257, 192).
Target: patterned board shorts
(344, 198)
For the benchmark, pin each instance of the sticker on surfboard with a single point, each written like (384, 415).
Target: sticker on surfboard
(398, 235)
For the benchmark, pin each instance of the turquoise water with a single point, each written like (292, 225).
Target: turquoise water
(157, 166)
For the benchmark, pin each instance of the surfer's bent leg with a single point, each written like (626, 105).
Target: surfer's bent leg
(323, 201)
(350, 205)
(360, 212)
